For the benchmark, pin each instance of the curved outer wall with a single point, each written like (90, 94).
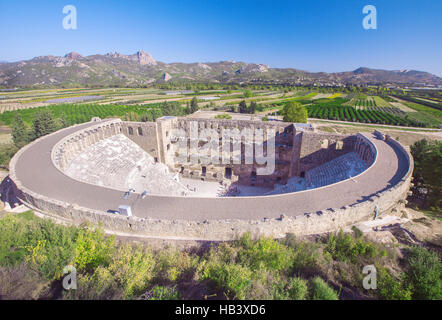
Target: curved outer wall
(209, 228)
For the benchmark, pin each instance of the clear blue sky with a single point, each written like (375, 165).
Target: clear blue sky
(311, 35)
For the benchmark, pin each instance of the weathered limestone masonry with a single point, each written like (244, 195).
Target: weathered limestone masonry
(296, 152)
(209, 229)
(144, 134)
(243, 173)
(319, 148)
(70, 146)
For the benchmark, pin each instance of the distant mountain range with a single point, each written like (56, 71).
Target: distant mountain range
(116, 69)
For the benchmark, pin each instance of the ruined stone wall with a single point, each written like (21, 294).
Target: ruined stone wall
(315, 149)
(242, 172)
(143, 134)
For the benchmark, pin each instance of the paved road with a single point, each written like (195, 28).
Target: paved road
(35, 171)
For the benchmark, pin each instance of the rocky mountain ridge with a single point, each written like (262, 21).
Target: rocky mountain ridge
(116, 69)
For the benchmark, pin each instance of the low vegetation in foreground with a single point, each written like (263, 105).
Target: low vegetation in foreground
(33, 253)
(427, 189)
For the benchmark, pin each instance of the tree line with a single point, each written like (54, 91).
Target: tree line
(43, 124)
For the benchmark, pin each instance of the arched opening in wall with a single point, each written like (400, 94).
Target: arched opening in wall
(253, 178)
(339, 145)
(302, 175)
(130, 130)
(203, 171)
(182, 170)
(168, 147)
(140, 131)
(228, 173)
(253, 175)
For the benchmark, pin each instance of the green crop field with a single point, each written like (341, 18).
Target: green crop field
(381, 102)
(75, 114)
(338, 109)
(335, 95)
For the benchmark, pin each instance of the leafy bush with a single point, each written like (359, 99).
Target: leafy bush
(93, 249)
(132, 268)
(297, 289)
(100, 285)
(46, 247)
(307, 257)
(390, 288)
(425, 274)
(265, 253)
(427, 157)
(171, 265)
(320, 290)
(164, 293)
(7, 151)
(235, 278)
(344, 247)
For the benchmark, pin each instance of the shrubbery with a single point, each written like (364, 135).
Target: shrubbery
(427, 157)
(344, 247)
(425, 274)
(244, 269)
(320, 290)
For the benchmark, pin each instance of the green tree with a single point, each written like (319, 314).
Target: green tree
(44, 123)
(425, 274)
(253, 107)
(7, 151)
(172, 108)
(427, 157)
(242, 107)
(194, 105)
(19, 132)
(63, 121)
(146, 117)
(294, 112)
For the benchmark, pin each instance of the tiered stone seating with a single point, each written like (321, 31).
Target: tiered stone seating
(119, 163)
(341, 168)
